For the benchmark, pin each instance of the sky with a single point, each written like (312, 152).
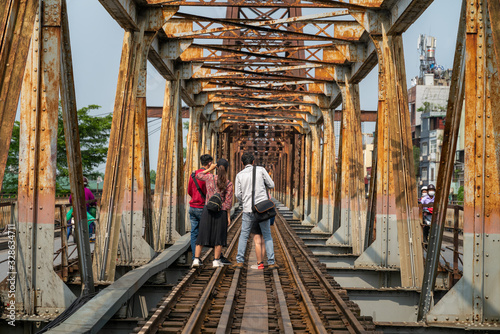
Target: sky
(96, 41)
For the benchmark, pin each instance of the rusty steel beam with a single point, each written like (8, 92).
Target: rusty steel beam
(16, 28)
(117, 205)
(133, 248)
(351, 215)
(233, 25)
(168, 199)
(156, 112)
(38, 288)
(193, 150)
(72, 136)
(471, 299)
(274, 3)
(446, 170)
(410, 247)
(398, 234)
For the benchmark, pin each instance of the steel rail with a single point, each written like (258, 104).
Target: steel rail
(356, 326)
(316, 320)
(151, 326)
(285, 316)
(226, 317)
(194, 322)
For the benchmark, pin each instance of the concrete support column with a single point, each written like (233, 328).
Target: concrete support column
(472, 300)
(38, 289)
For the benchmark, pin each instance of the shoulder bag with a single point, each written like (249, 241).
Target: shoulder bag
(263, 210)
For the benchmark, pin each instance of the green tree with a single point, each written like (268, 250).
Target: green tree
(416, 159)
(460, 195)
(152, 176)
(94, 134)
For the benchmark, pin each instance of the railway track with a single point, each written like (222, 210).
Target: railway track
(301, 296)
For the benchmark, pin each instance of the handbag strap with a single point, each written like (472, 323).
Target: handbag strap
(198, 186)
(253, 185)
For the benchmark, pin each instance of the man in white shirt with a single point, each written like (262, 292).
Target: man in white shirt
(243, 192)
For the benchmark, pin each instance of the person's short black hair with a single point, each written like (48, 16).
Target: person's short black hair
(247, 158)
(205, 159)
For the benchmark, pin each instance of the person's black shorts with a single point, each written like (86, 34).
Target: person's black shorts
(256, 228)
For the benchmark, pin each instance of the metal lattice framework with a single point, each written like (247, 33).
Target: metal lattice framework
(266, 78)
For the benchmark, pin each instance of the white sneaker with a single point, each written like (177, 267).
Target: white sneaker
(217, 263)
(196, 262)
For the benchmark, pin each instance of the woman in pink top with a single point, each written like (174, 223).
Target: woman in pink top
(213, 225)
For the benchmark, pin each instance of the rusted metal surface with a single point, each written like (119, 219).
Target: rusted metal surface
(72, 136)
(124, 177)
(470, 299)
(168, 191)
(16, 27)
(39, 289)
(453, 116)
(352, 208)
(265, 90)
(410, 246)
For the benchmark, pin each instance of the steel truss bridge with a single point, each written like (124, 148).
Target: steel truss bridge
(266, 79)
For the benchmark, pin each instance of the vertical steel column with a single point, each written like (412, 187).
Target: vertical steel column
(165, 197)
(329, 169)
(307, 178)
(474, 298)
(352, 208)
(120, 181)
(300, 212)
(398, 239)
(72, 136)
(316, 175)
(133, 248)
(192, 151)
(16, 29)
(453, 115)
(289, 174)
(39, 289)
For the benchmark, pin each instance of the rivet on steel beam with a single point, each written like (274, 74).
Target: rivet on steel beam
(477, 275)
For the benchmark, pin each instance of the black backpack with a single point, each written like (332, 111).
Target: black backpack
(215, 202)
